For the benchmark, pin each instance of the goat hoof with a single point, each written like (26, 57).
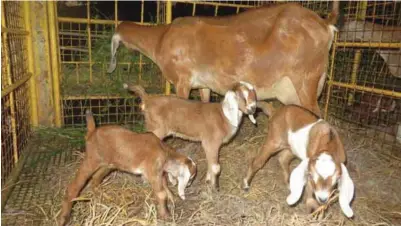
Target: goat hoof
(164, 215)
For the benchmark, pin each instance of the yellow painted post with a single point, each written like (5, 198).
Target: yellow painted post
(331, 76)
(115, 13)
(140, 55)
(9, 81)
(193, 9)
(158, 12)
(89, 38)
(54, 59)
(31, 67)
(169, 11)
(361, 13)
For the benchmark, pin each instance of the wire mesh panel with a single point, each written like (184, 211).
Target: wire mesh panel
(367, 71)
(15, 108)
(85, 56)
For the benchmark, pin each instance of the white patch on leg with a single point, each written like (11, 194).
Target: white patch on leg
(216, 168)
(246, 185)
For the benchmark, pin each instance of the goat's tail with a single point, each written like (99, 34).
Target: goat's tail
(90, 124)
(139, 90)
(332, 18)
(115, 42)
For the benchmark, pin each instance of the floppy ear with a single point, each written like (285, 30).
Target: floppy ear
(183, 179)
(346, 187)
(297, 182)
(230, 108)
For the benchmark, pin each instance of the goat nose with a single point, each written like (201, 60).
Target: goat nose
(322, 199)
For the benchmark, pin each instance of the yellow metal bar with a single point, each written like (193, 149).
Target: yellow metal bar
(216, 3)
(216, 10)
(330, 77)
(169, 12)
(9, 81)
(14, 31)
(95, 62)
(361, 13)
(140, 55)
(99, 97)
(157, 12)
(94, 21)
(15, 85)
(193, 9)
(394, 45)
(88, 27)
(115, 13)
(142, 10)
(354, 74)
(53, 38)
(31, 66)
(366, 89)
(362, 5)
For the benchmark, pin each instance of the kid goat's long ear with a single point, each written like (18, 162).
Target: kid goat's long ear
(230, 108)
(346, 187)
(297, 182)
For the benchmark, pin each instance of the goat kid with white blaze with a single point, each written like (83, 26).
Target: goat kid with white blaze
(211, 123)
(298, 132)
(113, 147)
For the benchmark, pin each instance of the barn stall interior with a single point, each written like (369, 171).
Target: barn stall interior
(54, 67)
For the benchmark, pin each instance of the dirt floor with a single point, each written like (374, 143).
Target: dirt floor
(123, 199)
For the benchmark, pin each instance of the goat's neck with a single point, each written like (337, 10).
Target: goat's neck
(144, 39)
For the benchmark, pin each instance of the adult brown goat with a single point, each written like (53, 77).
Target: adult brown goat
(281, 50)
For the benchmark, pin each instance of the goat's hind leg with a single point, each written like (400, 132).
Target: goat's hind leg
(205, 95)
(269, 148)
(98, 176)
(86, 169)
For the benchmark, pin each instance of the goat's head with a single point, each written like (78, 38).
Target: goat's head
(182, 171)
(323, 169)
(246, 99)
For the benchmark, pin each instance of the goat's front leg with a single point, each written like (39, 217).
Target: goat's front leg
(165, 186)
(285, 157)
(311, 203)
(86, 169)
(183, 89)
(205, 95)
(212, 155)
(156, 181)
(268, 149)
(267, 108)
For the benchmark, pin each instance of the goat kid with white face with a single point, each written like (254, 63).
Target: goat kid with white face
(211, 123)
(297, 132)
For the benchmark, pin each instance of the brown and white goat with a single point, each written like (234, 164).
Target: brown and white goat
(297, 132)
(281, 49)
(211, 123)
(113, 147)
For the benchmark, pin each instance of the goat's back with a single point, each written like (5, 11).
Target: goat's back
(175, 115)
(260, 46)
(124, 149)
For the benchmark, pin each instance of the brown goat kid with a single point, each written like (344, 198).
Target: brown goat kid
(297, 132)
(211, 123)
(281, 49)
(113, 147)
